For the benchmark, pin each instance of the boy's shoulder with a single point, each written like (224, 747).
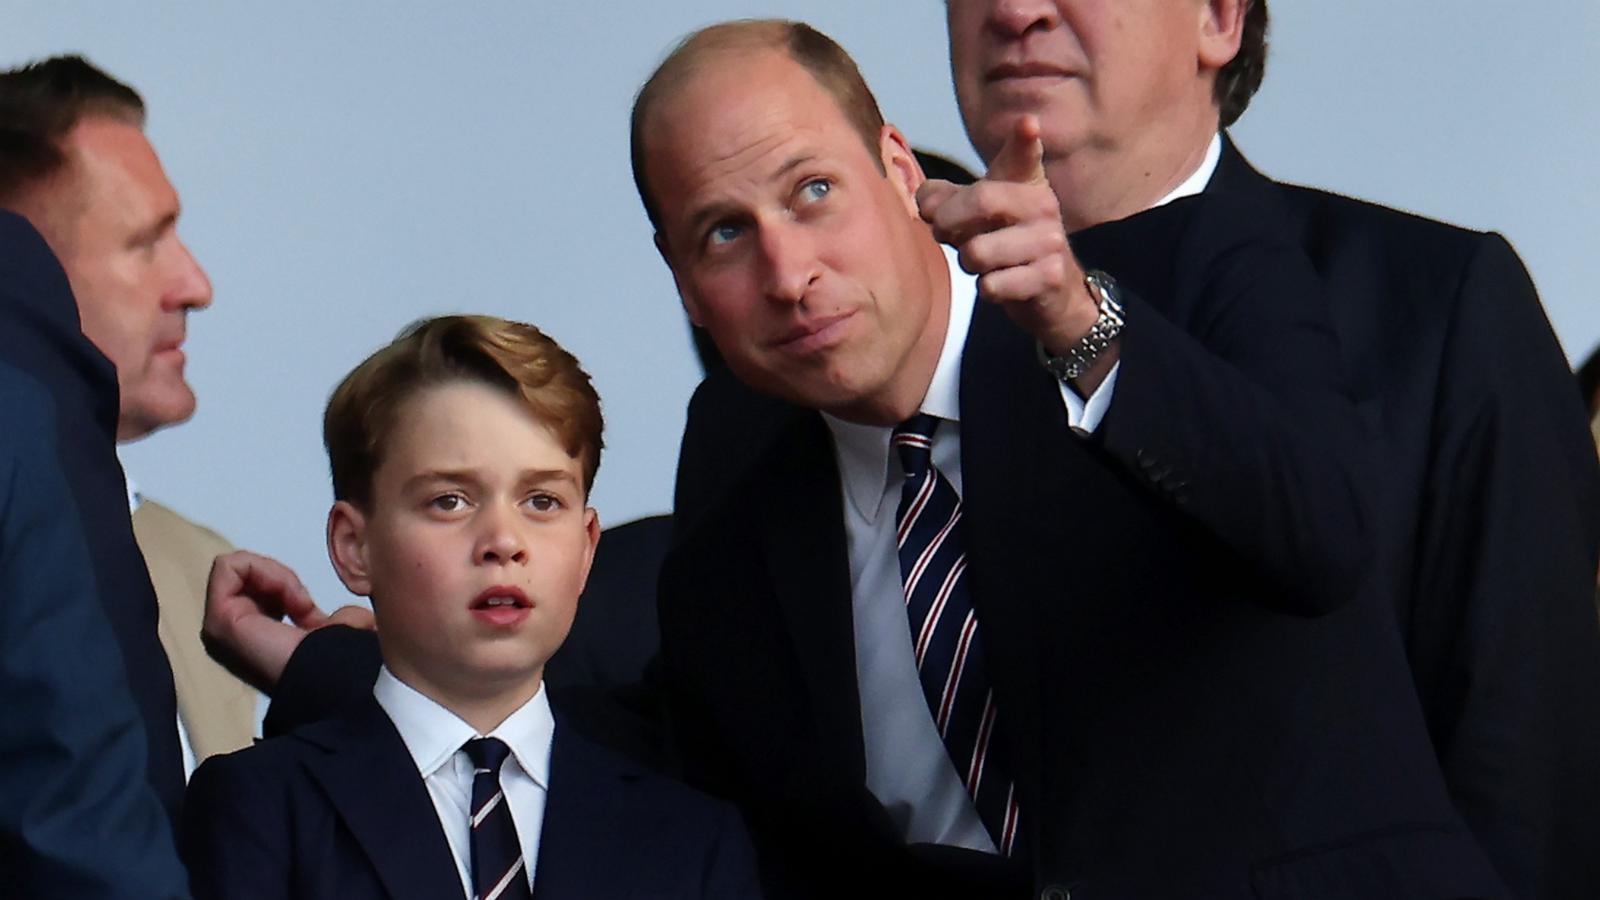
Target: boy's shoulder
(577, 758)
(284, 758)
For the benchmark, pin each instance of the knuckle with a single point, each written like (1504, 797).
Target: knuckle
(975, 256)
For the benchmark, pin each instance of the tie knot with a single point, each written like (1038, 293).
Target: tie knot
(487, 753)
(913, 440)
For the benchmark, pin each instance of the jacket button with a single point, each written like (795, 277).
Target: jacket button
(1055, 892)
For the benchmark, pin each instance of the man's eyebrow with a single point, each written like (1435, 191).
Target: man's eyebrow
(794, 162)
(149, 233)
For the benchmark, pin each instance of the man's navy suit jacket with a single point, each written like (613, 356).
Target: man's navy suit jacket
(40, 335)
(1205, 695)
(1488, 518)
(338, 810)
(77, 816)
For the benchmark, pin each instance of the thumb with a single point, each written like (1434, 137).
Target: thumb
(1021, 160)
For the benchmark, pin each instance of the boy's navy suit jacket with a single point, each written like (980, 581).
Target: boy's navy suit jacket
(337, 809)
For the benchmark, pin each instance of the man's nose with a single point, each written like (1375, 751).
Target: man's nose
(789, 255)
(1015, 18)
(189, 287)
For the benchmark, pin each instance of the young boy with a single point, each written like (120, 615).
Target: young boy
(462, 457)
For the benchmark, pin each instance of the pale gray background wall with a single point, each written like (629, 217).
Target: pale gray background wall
(349, 167)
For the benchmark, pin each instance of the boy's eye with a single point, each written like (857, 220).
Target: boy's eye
(448, 502)
(544, 502)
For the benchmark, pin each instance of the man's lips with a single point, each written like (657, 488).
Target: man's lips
(812, 334)
(1019, 71)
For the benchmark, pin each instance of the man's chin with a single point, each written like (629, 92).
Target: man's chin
(140, 418)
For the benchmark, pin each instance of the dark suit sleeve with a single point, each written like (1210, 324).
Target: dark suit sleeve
(77, 815)
(1504, 642)
(332, 671)
(234, 834)
(1235, 408)
(731, 863)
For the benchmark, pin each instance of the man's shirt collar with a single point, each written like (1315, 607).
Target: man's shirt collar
(1199, 178)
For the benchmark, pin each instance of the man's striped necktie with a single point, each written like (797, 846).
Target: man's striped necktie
(945, 634)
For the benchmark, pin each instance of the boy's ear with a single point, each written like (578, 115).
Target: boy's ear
(347, 547)
(591, 525)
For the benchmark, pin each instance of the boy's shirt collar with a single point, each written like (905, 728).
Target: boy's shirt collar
(433, 734)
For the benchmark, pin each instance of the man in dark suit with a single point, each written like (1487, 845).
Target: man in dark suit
(1488, 515)
(41, 337)
(462, 457)
(1155, 474)
(77, 815)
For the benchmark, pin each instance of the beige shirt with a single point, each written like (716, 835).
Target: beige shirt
(216, 711)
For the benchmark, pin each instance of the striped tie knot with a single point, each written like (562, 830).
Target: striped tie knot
(487, 754)
(913, 439)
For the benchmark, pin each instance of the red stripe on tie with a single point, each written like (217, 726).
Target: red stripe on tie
(968, 629)
(940, 600)
(928, 552)
(1013, 813)
(975, 771)
(914, 511)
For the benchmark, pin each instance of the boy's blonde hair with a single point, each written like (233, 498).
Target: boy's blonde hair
(518, 358)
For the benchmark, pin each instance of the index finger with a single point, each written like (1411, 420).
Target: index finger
(1021, 160)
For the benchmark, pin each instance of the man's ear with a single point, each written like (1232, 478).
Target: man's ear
(347, 547)
(690, 308)
(1221, 30)
(901, 166)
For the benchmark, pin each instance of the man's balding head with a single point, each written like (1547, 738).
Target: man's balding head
(812, 50)
(786, 210)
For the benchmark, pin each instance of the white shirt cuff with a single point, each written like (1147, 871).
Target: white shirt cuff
(1084, 415)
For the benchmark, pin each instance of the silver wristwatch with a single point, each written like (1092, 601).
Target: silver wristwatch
(1081, 356)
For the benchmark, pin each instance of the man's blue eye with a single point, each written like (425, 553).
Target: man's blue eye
(816, 190)
(722, 234)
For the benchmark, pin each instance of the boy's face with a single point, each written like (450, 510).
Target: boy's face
(476, 545)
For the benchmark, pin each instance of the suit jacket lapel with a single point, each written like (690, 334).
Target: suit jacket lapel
(1011, 456)
(370, 779)
(803, 539)
(587, 829)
